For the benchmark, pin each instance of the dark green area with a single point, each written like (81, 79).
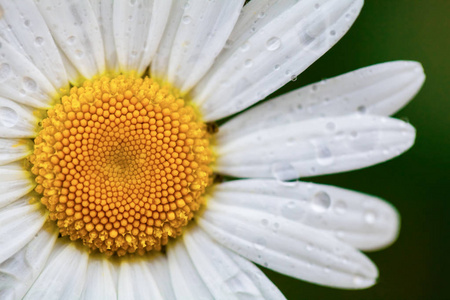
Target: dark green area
(417, 265)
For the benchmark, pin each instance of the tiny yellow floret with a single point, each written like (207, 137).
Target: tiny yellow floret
(122, 164)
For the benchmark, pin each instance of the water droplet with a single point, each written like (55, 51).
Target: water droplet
(29, 84)
(331, 126)
(327, 269)
(276, 67)
(361, 109)
(79, 53)
(293, 78)
(5, 71)
(265, 222)
(314, 87)
(186, 20)
(248, 63)
(273, 44)
(290, 141)
(317, 6)
(310, 247)
(8, 117)
(370, 217)
(26, 23)
(186, 5)
(260, 244)
(132, 2)
(324, 155)
(261, 15)
(358, 280)
(321, 201)
(71, 40)
(354, 134)
(275, 226)
(39, 41)
(284, 171)
(340, 207)
(333, 32)
(245, 47)
(228, 44)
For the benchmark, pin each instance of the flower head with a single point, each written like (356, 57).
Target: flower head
(112, 164)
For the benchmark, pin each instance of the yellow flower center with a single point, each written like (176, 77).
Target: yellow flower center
(122, 164)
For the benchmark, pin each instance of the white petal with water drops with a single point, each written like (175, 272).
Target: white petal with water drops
(313, 147)
(379, 90)
(186, 281)
(76, 31)
(63, 276)
(145, 20)
(17, 120)
(19, 222)
(363, 221)
(23, 26)
(288, 247)
(100, 283)
(281, 39)
(21, 80)
(223, 276)
(14, 149)
(202, 32)
(18, 273)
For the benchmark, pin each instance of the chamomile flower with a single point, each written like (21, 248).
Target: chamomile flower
(112, 162)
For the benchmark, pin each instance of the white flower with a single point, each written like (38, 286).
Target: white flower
(222, 58)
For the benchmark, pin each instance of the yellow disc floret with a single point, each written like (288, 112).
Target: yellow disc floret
(122, 164)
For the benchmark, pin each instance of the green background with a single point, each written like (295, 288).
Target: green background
(417, 183)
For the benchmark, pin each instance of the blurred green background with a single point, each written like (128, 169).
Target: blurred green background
(416, 266)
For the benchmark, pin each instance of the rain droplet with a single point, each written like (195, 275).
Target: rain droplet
(331, 126)
(244, 47)
(39, 41)
(276, 67)
(8, 117)
(332, 32)
(370, 217)
(261, 15)
(26, 23)
(321, 201)
(310, 247)
(340, 207)
(317, 6)
(186, 20)
(273, 44)
(71, 40)
(5, 71)
(260, 244)
(79, 53)
(361, 109)
(29, 84)
(284, 171)
(248, 63)
(324, 155)
(293, 78)
(264, 222)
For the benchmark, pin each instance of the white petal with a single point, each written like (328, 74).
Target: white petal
(23, 25)
(271, 44)
(186, 281)
(19, 223)
(201, 29)
(100, 283)
(75, 29)
(64, 275)
(14, 149)
(379, 90)
(21, 80)
(19, 272)
(314, 147)
(104, 12)
(159, 265)
(288, 247)
(225, 278)
(363, 221)
(17, 120)
(145, 20)
(136, 281)
(15, 182)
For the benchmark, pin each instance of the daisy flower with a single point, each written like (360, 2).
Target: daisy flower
(117, 182)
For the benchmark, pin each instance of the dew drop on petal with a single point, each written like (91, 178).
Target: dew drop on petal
(273, 44)
(260, 243)
(248, 63)
(186, 20)
(39, 41)
(370, 217)
(321, 201)
(8, 117)
(284, 171)
(340, 207)
(29, 84)
(5, 71)
(324, 155)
